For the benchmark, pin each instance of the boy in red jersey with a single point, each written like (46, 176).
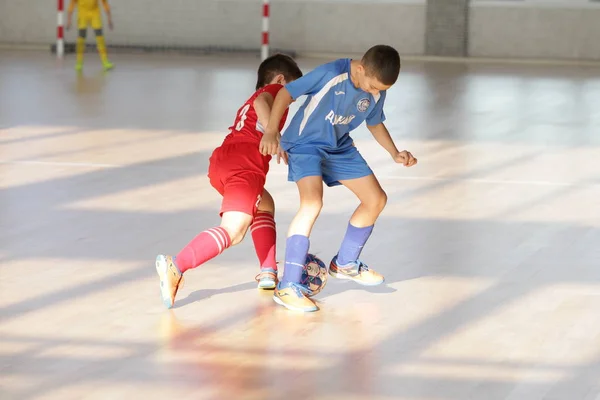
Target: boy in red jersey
(238, 172)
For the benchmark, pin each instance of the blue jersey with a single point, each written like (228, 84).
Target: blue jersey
(334, 107)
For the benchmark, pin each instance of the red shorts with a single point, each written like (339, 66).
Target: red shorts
(238, 172)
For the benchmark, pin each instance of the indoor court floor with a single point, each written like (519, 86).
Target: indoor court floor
(490, 245)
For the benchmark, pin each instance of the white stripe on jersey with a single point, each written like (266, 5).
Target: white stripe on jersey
(259, 126)
(314, 102)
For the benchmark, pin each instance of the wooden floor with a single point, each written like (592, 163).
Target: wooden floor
(490, 246)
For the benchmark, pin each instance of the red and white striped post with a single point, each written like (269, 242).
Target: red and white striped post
(60, 31)
(264, 50)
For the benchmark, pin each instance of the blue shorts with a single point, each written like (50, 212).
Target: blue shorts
(332, 166)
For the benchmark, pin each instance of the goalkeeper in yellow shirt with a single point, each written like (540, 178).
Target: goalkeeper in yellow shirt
(89, 14)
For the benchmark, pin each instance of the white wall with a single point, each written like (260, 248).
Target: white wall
(302, 25)
(314, 26)
(528, 31)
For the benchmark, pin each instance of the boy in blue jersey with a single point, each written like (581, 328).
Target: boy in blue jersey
(341, 95)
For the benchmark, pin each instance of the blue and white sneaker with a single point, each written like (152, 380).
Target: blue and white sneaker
(267, 279)
(356, 271)
(293, 296)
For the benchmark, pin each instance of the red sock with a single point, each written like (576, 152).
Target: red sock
(202, 248)
(264, 236)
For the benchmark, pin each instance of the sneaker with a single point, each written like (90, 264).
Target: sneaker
(108, 65)
(170, 279)
(355, 271)
(267, 279)
(293, 297)
(78, 66)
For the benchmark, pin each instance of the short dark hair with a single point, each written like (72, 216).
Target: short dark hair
(383, 63)
(275, 65)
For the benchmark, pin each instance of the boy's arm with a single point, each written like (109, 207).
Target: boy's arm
(383, 137)
(375, 125)
(375, 121)
(308, 84)
(262, 106)
(269, 143)
(280, 104)
(108, 14)
(70, 13)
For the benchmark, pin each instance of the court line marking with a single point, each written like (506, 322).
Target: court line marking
(61, 164)
(280, 173)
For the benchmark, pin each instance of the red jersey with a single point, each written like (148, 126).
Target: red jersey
(246, 127)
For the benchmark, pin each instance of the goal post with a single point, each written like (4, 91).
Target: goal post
(60, 30)
(195, 27)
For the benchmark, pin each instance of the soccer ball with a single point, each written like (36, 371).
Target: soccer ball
(314, 274)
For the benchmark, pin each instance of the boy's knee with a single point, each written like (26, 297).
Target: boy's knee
(236, 224)
(378, 202)
(237, 234)
(237, 237)
(312, 207)
(384, 198)
(267, 204)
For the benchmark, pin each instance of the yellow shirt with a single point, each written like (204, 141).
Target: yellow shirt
(89, 6)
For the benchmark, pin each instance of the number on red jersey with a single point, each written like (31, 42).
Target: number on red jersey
(242, 117)
(246, 124)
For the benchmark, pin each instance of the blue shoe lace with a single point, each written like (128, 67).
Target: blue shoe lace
(300, 289)
(361, 266)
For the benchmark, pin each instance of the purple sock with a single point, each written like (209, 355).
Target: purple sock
(353, 244)
(296, 250)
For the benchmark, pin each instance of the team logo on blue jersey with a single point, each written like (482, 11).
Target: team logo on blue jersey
(363, 104)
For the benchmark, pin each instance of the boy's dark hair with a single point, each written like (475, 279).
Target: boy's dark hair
(275, 65)
(383, 63)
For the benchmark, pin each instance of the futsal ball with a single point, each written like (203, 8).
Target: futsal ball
(314, 274)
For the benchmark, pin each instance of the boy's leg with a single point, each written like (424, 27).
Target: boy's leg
(82, 24)
(310, 190)
(352, 171)
(204, 247)
(372, 201)
(212, 242)
(241, 195)
(289, 293)
(100, 43)
(264, 236)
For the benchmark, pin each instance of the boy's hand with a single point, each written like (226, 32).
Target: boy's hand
(110, 23)
(269, 144)
(404, 157)
(282, 155)
(68, 23)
